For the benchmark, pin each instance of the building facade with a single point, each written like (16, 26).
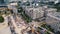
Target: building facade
(38, 12)
(12, 6)
(34, 12)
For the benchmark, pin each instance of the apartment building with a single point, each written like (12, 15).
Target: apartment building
(12, 6)
(48, 10)
(54, 21)
(13, 0)
(38, 12)
(34, 12)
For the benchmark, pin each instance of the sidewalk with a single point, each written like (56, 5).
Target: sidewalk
(4, 28)
(19, 24)
(5, 31)
(4, 24)
(14, 24)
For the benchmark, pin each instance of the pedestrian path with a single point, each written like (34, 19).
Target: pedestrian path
(4, 28)
(5, 31)
(4, 24)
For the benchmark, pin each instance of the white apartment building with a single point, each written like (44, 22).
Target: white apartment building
(49, 10)
(54, 21)
(12, 6)
(26, 0)
(14, 0)
(52, 0)
(34, 12)
(38, 12)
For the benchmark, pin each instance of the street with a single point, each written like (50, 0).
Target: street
(16, 24)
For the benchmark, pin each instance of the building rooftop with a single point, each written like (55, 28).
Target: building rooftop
(50, 9)
(33, 8)
(55, 15)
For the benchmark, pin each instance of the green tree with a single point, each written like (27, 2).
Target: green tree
(1, 19)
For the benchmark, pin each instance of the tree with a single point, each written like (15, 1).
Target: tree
(47, 33)
(1, 19)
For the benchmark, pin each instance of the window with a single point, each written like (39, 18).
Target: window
(31, 11)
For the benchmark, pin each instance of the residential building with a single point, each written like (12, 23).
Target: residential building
(48, 10)
(12, 6)
(34, 12)
(13, 0)
(38, 11)
(51, 0)
(51, 10)
(20, 0)
(27, 0)
(54, 21)
(57, 1)
(3, 2)
(48, 0)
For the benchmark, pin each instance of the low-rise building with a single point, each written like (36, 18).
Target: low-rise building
(54, 21)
